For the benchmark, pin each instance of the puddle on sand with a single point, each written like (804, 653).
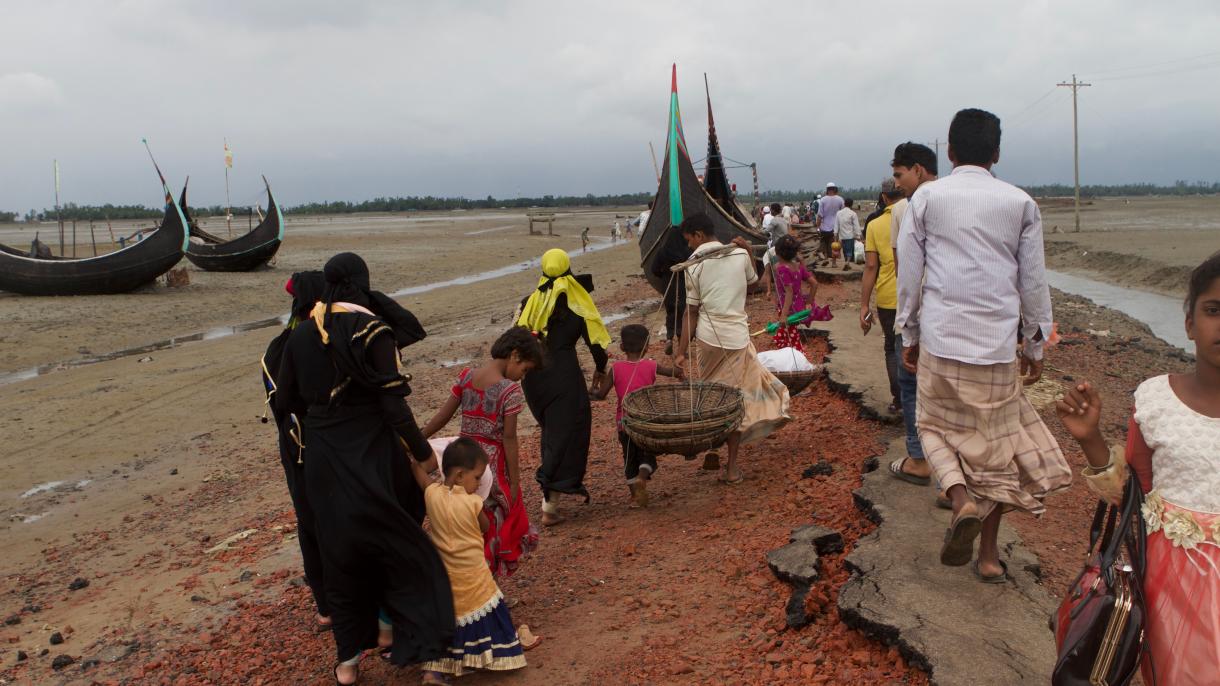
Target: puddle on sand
(43, 488)
(209, 335)
(491, 273)
(226, 331)
(1161, 313)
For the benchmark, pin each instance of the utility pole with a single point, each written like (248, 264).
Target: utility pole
(1075, 86)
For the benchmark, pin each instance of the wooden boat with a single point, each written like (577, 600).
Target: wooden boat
(241, 254)
(680, 195)
(116, 272)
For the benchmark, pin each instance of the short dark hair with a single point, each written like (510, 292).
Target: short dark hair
(462, 453)
(776, 208)
(1201, 279)
(698, 222)
(786, 247)
(975, 137)
(848, 202)
(910, 154)
(634, 338)
(518, 339)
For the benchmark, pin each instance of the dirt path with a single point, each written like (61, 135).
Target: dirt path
(676, 593)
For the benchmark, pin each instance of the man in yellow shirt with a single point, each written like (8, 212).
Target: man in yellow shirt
(881, 279)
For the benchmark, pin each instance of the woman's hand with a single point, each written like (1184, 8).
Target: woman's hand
(1080, 411)
(598, 379)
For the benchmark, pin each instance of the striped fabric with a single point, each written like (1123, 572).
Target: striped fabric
(972, 266)
(978, 429)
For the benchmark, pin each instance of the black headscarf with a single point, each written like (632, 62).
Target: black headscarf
(307, 288)
(347, 280)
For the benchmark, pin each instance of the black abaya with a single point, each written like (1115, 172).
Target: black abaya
(366, 503)
(292, 459)
(559, 399)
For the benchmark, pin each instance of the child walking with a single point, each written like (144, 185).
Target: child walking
(791, 277)
(626, 376)
(1173, 445)
(490, 399)
(485, 636)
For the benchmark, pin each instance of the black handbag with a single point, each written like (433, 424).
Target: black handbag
(1099, 626)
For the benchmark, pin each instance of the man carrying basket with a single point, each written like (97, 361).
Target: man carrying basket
(716, 280)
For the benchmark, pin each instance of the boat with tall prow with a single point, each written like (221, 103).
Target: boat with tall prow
(123, 270)
(241, 254)
(680, 194)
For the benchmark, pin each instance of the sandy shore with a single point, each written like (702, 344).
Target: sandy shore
(1149, 243)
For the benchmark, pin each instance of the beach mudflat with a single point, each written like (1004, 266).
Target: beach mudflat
(150, 477)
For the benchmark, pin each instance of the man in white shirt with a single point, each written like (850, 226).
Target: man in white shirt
(828, 211)
(848, 226)
(642, 222)
(717, 324)
(973, 273)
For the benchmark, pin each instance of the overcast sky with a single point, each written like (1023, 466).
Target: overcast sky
(360, 98)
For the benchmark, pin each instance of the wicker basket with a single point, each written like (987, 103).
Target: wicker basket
(683, 419)
(798, 381)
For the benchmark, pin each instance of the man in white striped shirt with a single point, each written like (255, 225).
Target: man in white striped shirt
(972, 273)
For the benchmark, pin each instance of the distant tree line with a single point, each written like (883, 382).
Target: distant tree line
(72, 211)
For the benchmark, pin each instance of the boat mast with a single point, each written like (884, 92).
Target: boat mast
(228, 202)
(58, 218)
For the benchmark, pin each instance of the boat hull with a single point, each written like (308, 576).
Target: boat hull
(116, 272)
(244, 253)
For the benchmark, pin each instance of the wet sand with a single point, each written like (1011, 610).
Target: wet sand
(1150, 243)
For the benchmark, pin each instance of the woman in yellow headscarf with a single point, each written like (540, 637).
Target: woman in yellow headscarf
(560, 312)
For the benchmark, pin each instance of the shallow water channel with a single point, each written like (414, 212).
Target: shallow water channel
(1162, 313)
(226, 331)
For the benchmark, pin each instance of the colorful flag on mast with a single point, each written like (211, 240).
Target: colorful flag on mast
(228, 156)
(675, 143)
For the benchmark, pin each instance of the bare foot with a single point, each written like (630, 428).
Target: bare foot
(323, 621)
(639, 493)
(385, 638)
(551, 519)
(346, 674)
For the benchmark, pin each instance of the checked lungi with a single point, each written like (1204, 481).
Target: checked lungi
(979, 430)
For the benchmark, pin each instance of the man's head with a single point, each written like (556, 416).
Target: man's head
(847, 202)
(832, 189)
(776, 208)
(974, 138)
(914, 165)
(697, 230)
(890, 191)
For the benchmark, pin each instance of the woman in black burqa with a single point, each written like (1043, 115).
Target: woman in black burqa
(340, 374)
(306, 289)
(562, 313)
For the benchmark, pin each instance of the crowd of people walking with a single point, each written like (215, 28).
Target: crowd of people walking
(403, 535)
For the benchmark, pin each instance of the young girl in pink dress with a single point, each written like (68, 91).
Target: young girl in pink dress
(490, 398)
(1173, 445)
(791, 276)
(632, 374)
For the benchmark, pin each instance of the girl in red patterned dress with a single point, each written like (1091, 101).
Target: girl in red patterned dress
(490, 398)
(790, 279)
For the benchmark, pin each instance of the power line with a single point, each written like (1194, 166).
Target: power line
(1153, 65)
(1167, 72)
(1049, 93)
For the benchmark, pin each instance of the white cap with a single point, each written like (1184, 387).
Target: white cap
(831, 184)
(767, 209)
